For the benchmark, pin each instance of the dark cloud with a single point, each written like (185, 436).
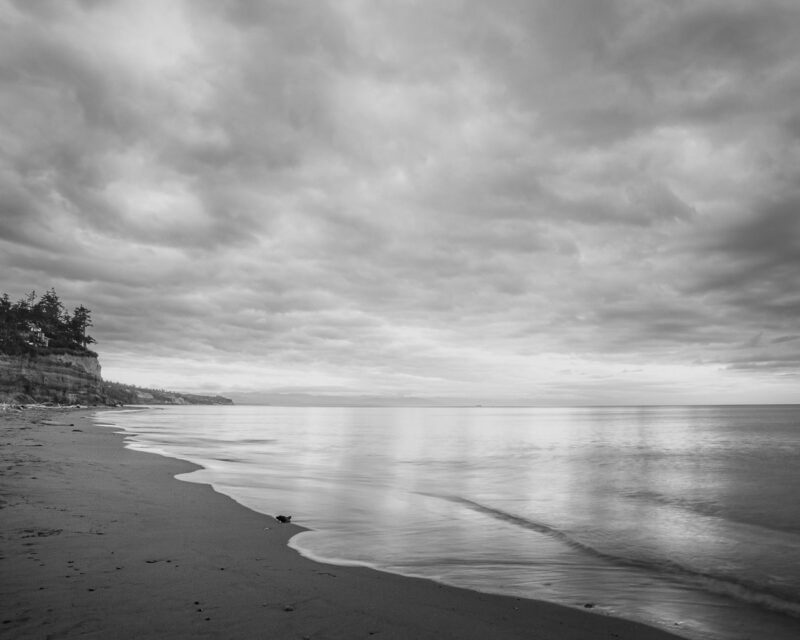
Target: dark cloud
(755, 261)
(542, 200)
(770, 237)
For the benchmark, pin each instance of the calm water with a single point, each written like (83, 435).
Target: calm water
(687, 518)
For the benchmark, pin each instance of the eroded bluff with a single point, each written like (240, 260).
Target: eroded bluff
(62, 378)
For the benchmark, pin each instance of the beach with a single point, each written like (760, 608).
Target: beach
(102, 541)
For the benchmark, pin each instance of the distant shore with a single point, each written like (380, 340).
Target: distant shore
(101, 541)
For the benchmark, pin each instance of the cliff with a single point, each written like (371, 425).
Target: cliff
(116, 392)
(65, 378)
(44, 358)
(74, 378)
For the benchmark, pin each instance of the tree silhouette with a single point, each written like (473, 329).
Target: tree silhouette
(81, 319)
(32, 326)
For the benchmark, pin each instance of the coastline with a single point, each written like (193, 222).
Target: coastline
(101, 539)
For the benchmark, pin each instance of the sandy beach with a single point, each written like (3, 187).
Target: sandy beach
(100, 541)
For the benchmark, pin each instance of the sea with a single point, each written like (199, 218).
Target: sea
(686, 518)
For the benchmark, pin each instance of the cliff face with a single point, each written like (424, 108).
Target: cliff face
(63, 378)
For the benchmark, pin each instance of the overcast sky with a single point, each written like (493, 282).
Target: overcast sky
(553, 201)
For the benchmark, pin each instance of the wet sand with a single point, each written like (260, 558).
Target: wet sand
(100, 541)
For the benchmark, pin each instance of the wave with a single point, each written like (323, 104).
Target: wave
(706, 509)
(306, 552)
(786, 601)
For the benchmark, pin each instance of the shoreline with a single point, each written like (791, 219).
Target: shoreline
(99, 539)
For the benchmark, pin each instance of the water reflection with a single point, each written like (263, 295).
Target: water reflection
(642, 509)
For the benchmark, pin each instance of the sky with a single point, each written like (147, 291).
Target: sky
(552, 202)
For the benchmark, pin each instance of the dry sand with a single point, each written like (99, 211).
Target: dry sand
(100, 541)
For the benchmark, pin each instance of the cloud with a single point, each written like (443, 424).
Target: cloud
(515, 199)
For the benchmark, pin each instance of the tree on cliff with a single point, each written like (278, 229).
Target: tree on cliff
(10, 326)
(78, 323)
(31, 326)
(48, 315)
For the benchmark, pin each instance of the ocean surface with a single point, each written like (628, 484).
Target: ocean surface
(686, 518)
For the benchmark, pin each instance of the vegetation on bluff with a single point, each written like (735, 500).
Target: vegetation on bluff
(39, 340)
(43, 326)
(117, 393)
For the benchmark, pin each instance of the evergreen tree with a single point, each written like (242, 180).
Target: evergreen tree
(48, 315)
(81, 319)
(30, 325)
